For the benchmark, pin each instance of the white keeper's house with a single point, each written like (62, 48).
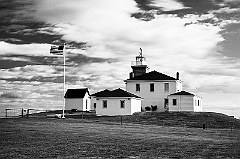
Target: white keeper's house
(159, 91)
(184, 101)
(115, 102)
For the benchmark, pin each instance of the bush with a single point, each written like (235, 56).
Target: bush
(154, 108)
(73, 110)
(147, 108)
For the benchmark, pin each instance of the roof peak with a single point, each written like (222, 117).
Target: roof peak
(182, 93)
(115, 93)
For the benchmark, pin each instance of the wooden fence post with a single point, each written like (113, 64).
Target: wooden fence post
(22, 112)
(121, 120)
(6, 111)
(82, 115)
(27, 112)
(204, 126)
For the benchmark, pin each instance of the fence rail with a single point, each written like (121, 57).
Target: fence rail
(18, 112)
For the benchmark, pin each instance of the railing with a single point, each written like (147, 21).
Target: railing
(138, 63)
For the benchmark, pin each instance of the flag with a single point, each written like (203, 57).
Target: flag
(57, 50)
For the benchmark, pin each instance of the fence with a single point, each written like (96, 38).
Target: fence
(20, 112)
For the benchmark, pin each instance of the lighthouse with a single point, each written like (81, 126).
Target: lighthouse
(139, 66)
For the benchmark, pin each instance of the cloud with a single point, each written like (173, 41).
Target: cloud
(29, 73)
(44, 95)
(168, 43)
(10, 94)
(33, 49)
(168, 5)
(227, 10)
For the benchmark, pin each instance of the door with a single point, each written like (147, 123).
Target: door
(166, 107)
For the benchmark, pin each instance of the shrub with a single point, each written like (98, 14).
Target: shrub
(73, 110)
(154, 107)
(147, 108)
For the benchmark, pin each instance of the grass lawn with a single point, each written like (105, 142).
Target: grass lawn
(74, 138)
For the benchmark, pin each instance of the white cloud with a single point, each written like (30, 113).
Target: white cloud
(28, 71)
(25, 49)
(44, 95)
(226, 10)
(168, 5)
(226, 103)
(168, 43)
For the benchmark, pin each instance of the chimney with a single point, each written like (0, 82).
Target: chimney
(130, 75)
(177, 75)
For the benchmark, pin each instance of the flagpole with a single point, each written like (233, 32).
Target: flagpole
(64, 80)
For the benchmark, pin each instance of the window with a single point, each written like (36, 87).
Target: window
(94, 106)
(198, 102)
(151, 87)
(104, 103)
(86, 104)
(174, 102)
(138, 87)
(122, 103)
(166, 87)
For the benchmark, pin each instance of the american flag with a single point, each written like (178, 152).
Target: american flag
(57, 50)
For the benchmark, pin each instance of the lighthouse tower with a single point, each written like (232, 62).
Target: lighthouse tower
(139, 66)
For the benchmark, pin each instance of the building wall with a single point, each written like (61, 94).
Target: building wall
(114, 107)
(184, 103)
(86, 102)
(74, 103)
(135, 105)
(93, 100)
(156, 97)
(78, 103)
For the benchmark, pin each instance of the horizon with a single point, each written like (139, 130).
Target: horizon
(198, 39)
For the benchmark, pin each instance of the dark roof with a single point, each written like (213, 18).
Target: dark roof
(182, 93)
(153, 75)
(101, 93)
(115, 93)
(76, 93)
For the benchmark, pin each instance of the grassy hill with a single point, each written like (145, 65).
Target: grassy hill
(43, 137)
(175, 119)
(189, 119)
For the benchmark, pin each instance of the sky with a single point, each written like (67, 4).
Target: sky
(200, 39)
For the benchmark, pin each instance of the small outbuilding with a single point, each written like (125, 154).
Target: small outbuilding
(78, 99)
(184, 101)
(116, 102)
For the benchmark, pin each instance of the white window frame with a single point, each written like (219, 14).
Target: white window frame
(122, 102)
(138, 88)
(152, 84)
(105, 106)
(173, 101)
(166, 87)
